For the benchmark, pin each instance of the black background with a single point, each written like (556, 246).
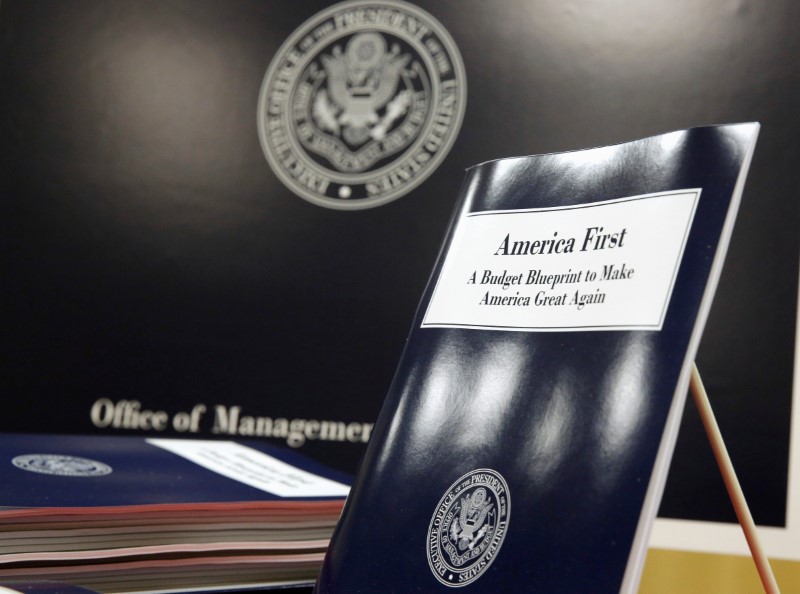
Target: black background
(150, 253)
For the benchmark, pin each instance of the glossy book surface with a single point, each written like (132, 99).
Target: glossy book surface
(525, 440)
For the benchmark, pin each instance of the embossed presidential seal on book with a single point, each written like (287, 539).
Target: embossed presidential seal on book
(468, 527)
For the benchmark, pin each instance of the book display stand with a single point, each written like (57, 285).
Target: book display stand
(732, 483)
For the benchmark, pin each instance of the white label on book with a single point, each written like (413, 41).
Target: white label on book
(254, 468)
(602, 266)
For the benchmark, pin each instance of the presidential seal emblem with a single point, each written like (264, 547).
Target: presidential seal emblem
(468, 527)
(361, 104)
(61, 465)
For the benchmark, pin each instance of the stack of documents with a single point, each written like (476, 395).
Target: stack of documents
(128, 514)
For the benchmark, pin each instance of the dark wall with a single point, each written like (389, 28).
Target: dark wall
(150, 253)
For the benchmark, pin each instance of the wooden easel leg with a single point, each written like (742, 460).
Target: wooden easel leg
(732, 483)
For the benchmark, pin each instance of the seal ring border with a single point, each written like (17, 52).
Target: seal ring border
(444, 149)
(502, 538)
(23, 463)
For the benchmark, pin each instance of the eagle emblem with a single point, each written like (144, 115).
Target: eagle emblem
(360, 101)
(58, 465)
(470, 525)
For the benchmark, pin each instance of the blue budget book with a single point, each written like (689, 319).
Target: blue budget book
(92, 471)
(524, 443)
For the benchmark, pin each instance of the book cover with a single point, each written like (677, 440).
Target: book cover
(74, 471)
(525, 440)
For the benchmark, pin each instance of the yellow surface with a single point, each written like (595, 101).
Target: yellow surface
(678, 572)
